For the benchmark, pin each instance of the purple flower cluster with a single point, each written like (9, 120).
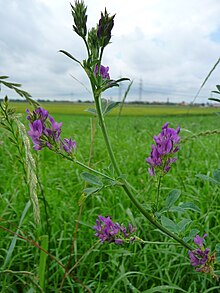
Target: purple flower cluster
(200, 256)
(45, 131)
(166, 147)
(109, 231)
(103, 71)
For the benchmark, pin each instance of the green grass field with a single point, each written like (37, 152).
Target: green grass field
(128, 109)
(109, 268)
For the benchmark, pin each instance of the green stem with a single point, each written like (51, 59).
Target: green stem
(125, 185)
(105, 134)
(87, 47)
(158, 192)
(85, 166)
(93, 170)
(100, 57)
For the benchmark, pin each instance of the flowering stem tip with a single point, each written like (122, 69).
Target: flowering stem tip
(163, 153)
(112, 232)
(201, 257)
(45, 132)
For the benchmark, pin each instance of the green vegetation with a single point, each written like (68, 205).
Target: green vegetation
(128, 109)
(108, 268)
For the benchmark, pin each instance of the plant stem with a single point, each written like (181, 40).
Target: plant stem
(158, 192)
(85, 166)
(105, 135)
(93, 170)
(125, 185)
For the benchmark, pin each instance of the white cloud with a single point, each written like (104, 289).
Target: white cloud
(168, 44)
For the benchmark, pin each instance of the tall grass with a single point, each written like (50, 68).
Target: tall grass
(109, 268)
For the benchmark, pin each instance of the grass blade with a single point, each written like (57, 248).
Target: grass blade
(43, 259)
(13, 243)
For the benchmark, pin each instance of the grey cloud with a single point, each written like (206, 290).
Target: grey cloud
(172, 56)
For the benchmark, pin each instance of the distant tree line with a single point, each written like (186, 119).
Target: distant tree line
(127, 102)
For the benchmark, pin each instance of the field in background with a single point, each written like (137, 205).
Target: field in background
(109, 268)
(128, 109)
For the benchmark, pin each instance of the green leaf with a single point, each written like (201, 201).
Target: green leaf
(207, 178)
(181, 226)
(111, 106)
(92, 111)
(218, 87)
(91, 190)
(213, 99)
(92, 179)
(177, 209)
(122, 79)
(217, 247)
(186, 239)
(157, 215)
(190, 206)
(192, 234)
(70, 56)
(216, 175)
(104, 104)
(168, 224)
(172, 197)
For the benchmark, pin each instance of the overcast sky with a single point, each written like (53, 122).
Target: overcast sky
(166, 46)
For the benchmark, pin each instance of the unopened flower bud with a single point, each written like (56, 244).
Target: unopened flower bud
(105, 26)
(80, 18)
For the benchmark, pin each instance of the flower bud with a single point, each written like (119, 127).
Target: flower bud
(105, 26)
(80, 18)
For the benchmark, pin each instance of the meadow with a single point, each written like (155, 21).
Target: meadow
(161, 265)
(127, 109)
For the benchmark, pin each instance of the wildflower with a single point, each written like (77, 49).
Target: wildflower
(54, 130)
(103, 71)
(198, 257)
(199, 240)
(38, 113)
(45, 132)
(68, 145)
(109, 231)
(166, 147)
(201, 258)
(36, 132)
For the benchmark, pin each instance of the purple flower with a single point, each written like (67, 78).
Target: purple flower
(103, 71)
(199, 240)
(42, 113)
(45, 131)
(36, 129)
(55, 125)
(198, 257)
(161, 156)
(109, 231)
(106, 229)
(54, 130)
(68, 145)
(38, 113)
(35, 132)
